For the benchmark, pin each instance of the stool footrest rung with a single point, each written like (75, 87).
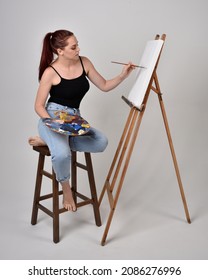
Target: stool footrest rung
(46, 210)
(50, 195)
(82, 203)
(82, 196)
(80, 165)
(47, 174)
(49, 212)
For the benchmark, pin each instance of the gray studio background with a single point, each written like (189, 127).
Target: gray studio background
(149, 222)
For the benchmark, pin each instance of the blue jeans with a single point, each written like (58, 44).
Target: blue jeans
(60, 145)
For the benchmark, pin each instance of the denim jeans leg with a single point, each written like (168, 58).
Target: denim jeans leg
(60, 145)
(92, 142)
(60, 151)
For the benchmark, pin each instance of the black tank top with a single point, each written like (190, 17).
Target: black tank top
(70, 92)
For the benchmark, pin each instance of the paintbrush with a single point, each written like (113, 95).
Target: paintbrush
(127, 64)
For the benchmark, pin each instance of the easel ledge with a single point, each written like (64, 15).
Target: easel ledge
(128, 102)
(119, 166)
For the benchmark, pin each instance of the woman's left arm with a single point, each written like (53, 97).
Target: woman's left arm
(102, 83)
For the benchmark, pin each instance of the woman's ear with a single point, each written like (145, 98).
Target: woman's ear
(59, 51)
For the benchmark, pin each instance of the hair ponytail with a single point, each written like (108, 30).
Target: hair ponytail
(51, 42)
(47, 54)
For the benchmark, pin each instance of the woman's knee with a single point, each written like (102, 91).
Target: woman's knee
(102, 143)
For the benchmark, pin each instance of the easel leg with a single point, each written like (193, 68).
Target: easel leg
(174, 158)
(134, 129)
(129, 119)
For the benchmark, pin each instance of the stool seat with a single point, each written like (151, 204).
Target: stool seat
(54, 195)
(44, 150)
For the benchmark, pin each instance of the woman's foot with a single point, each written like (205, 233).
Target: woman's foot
(36, 141)
(68, 201)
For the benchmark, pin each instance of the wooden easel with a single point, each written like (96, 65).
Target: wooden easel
(119, 166)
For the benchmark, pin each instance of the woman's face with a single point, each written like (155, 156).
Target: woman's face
(71, 51)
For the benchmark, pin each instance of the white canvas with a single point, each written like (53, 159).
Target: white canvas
(148, 60)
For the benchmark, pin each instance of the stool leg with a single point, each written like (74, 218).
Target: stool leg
(74, 175)
(38, 183)
(55, 209)
(93, 189)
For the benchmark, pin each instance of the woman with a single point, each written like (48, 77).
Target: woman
(64, 79)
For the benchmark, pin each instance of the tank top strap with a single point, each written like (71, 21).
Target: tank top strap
(55, 71)
(82, 65)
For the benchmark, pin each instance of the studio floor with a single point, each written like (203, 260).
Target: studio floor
(146, 225)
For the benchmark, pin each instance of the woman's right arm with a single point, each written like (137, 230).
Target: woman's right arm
(43, 92)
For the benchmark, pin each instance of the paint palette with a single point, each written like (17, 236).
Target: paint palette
(72, 125)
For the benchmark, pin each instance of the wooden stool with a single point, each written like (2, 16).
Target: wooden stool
(44, 151)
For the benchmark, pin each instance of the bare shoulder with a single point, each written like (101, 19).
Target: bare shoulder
(85, 59)
(49, 72)
(87, 63)
(49, 76)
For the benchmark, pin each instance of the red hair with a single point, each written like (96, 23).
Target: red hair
(52, 42)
